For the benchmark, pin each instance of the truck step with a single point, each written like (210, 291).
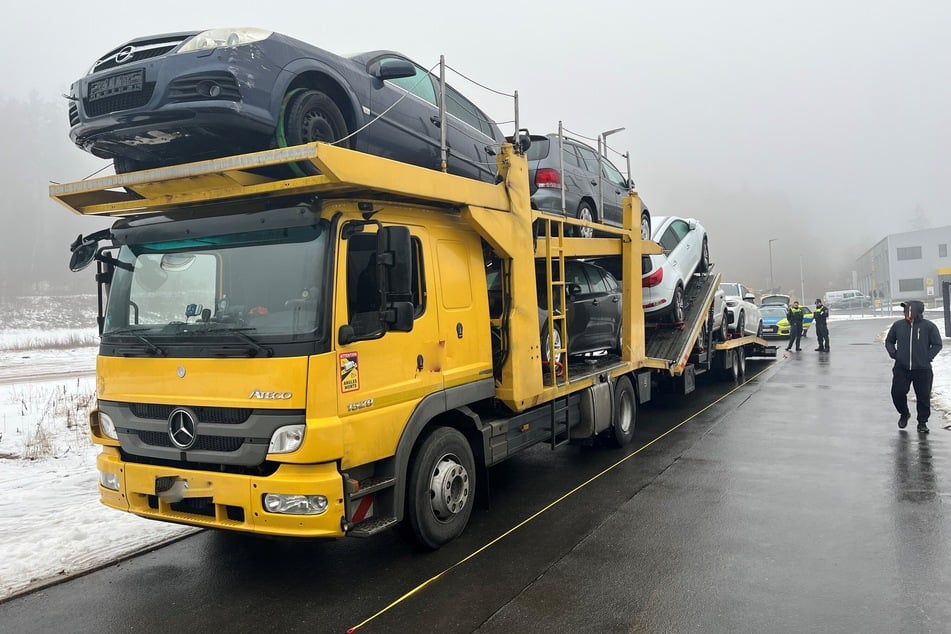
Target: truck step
(372, 485)
(372, 526)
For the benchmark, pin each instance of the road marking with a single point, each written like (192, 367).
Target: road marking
(551, 505)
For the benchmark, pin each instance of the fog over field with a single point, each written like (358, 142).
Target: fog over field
(820, 125)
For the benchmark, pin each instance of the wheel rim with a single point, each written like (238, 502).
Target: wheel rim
(546, 349)
(448, 488)
(741, 325)
(678, 304)
(625, 411)
(314, 127)
(584, 213)
(645, 228)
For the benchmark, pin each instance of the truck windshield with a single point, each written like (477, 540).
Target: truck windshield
(259, 285)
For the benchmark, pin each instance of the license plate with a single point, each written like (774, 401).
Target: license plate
(116, 85)
(769, 329)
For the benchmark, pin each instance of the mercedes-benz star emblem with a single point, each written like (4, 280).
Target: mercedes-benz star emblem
(182, 428)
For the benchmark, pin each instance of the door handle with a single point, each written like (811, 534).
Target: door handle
(435, 121)
(594, 302)
(594, 182)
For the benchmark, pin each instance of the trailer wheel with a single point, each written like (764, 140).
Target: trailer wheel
(732, 372)
(441, 487)
(624, 416)
(308, 116)
(740, 360)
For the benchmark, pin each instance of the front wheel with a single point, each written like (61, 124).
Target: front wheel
(310, 115)
(724, 332)
(741, 325)
(441, 487)
(704, 264)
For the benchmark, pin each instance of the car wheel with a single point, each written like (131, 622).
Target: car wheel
(704, 265)
(759, 329)
(740, 325)
(645, 226)
(441, 487)
(586, 213)
(546, 345)
(308, 116)
(677, 305)
(724, 326)
(625, 413)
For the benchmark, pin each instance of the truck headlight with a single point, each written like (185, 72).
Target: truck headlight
(292, 504)
(286, 439)
(105, 426)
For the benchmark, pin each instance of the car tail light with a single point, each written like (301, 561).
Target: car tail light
(653, 279)
(547, 177)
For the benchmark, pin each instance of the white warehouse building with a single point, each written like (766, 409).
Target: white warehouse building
(905, 266)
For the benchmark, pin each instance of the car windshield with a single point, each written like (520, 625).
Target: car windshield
(731, 290)
(260, 283)
(773, 311)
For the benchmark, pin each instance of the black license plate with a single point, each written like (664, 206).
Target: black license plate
(116, 85)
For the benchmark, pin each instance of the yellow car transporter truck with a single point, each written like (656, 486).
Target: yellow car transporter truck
(321, 356)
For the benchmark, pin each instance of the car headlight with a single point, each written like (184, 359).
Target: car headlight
(732, 303)
(286, 439)
(230, 38)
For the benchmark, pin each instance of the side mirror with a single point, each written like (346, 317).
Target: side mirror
(574, 289)
(395, 69)
(399, 316)
(395, 252)
(749, 297)
(83, 254)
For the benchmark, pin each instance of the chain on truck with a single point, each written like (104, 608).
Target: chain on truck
(319, 356)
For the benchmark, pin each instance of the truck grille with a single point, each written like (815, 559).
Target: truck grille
(222, 415)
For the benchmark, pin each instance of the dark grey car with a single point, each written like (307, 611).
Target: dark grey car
(178, 97)
(584, 182)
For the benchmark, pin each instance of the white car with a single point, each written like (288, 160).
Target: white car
(745, 318)
(665, 276)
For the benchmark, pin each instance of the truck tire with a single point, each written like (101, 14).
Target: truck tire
(740, 363)
(441, 487)
(732, 373)
(311, 115)
(624, 416)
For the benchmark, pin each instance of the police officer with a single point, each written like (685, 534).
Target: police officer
(794, 316)
(821, 318)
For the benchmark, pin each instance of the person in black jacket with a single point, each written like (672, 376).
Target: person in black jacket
(913, 342)
(821, 318)
(794, 315)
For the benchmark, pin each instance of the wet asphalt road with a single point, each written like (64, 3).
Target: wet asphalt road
(791, 503)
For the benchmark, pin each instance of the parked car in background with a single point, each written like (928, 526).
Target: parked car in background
(784, 300)
(585, 183)
(775, 323)
(665, 276)
(744, 314)
(166, 99)
(847, 300)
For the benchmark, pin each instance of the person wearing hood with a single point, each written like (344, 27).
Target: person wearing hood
(913, 342)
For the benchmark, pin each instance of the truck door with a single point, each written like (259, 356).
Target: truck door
(383, 374)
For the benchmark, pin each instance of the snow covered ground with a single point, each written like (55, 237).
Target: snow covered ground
(51, 522)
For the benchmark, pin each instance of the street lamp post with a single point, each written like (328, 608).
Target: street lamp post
(771, 241)
(602, 153)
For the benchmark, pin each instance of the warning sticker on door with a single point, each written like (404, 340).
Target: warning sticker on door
(349, 372)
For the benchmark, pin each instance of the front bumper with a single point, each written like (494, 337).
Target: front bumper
(223, 500)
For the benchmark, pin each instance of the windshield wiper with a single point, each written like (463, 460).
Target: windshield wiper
(239, 333)
(135, 332)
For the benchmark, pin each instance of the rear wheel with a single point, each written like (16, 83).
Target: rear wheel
(740, 360)
(759, 329)
(723, 332)
(308, 116)
(677, 305)
(586, 213)
(625, 413)
(741, 324)
(645, 226)
(732, 373)
(441, 487)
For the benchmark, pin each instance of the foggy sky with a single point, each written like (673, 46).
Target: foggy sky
(821, 124)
